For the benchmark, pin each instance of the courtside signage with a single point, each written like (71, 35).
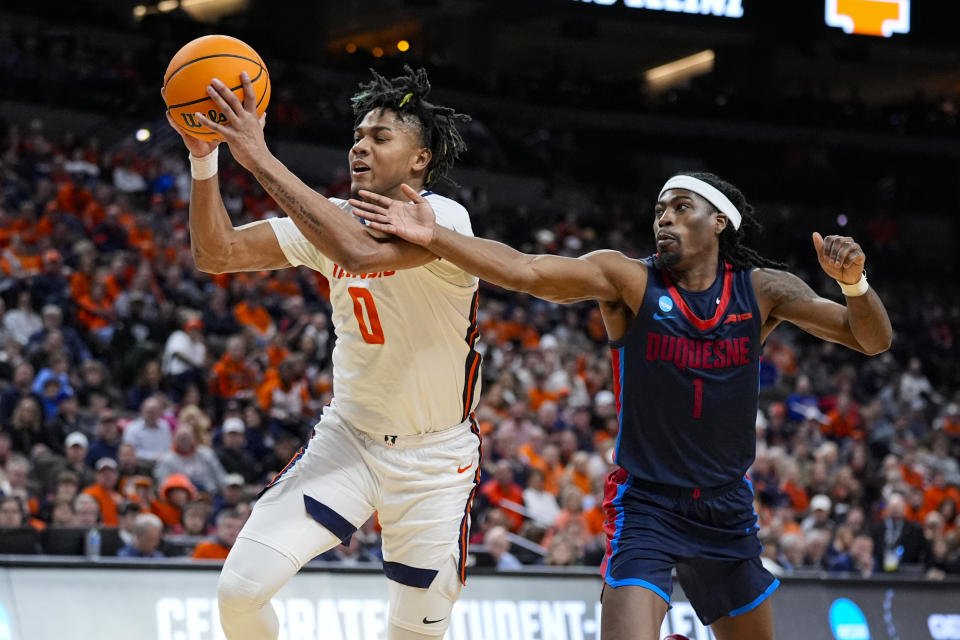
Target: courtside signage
(869, 17)
(724, 8)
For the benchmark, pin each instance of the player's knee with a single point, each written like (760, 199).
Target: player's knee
(425, 611)
(239, 593)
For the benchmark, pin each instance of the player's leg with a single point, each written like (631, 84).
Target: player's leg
(276, 541)
(424, 512)
(320, 499)
(732, 597)
(725, 580)
(251, 575)
(637, 568)
(756, 623)
(631, 613)
(417, 613)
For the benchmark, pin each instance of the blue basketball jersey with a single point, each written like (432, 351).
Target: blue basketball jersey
(686, 377)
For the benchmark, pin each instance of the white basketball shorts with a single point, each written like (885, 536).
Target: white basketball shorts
(420, 486)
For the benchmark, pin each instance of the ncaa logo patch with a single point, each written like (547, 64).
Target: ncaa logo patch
(665, 303)
(869, 17)
(847, 621)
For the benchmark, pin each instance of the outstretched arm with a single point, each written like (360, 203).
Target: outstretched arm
(335, 233)
(555, 278)
(218, 246)
(862, 324)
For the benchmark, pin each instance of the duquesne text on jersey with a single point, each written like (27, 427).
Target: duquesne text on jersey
(338, 272)
(698, 354)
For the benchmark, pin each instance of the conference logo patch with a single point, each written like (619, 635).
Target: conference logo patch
(847, 621)
(869, 17)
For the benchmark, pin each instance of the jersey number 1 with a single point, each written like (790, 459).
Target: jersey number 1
(373, 334)
(697, 397)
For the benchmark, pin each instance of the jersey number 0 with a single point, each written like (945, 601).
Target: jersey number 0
(372, 333)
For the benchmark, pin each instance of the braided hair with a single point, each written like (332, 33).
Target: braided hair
(732, 250)
(406, 95)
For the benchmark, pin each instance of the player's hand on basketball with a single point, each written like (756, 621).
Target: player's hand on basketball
(413, 221)
(196, 146)
(243, 130)
(840, 257)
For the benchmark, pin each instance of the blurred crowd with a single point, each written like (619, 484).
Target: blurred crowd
(143, 396)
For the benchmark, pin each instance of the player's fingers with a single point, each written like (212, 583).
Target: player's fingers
(386, 228)
(373, 218)
(843, 255)
(249, 96)
(830, 248)
(221, 104)
(412, 194)
(210, 124)
(853, 256)
(818, 243)
(173, 124)
(370, 196)
(841, 248)
(367, 208)
(223, 93)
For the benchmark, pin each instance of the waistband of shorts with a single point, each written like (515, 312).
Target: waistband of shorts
(415, 441)
(685, 493)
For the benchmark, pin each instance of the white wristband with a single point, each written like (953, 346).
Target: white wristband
(857, 289)
(203, 167)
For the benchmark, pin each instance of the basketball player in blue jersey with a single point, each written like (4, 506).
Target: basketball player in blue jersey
(399, 437)
(686, 328)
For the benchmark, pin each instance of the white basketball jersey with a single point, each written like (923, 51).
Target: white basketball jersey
(404, 361)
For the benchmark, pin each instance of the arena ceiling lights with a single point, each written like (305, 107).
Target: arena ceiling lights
(202, 10)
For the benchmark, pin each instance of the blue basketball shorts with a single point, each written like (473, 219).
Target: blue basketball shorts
(709, 535)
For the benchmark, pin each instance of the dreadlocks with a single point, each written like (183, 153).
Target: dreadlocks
(406, 96)
(738, 255)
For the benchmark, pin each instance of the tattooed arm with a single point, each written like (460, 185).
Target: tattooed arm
(862, 325)
(335, 233)
(219, 247)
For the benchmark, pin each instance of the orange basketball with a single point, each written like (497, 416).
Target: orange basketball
(199, 62)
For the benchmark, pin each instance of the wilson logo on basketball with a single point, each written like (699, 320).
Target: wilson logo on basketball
(869, 17)
(191, 121)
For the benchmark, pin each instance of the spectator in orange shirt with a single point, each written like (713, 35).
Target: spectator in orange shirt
(19, 261)
(104, 491)
(82, 277)
(284, 283)
(937, 492)
(253, 315)
(277, 351)
(579, 471)
(95, 311)
(229, 523)
(502, 488)
(232, 376)
(73, 199)
(284, 396)
(175, 492)
(121, 274)
(844, 420)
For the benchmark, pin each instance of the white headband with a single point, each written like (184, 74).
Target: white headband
(708, 191)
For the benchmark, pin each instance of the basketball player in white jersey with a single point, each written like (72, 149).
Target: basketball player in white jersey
(399, 437)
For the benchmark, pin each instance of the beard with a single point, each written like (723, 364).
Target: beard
(667, 260)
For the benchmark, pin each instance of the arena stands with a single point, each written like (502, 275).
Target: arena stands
(133, 384)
